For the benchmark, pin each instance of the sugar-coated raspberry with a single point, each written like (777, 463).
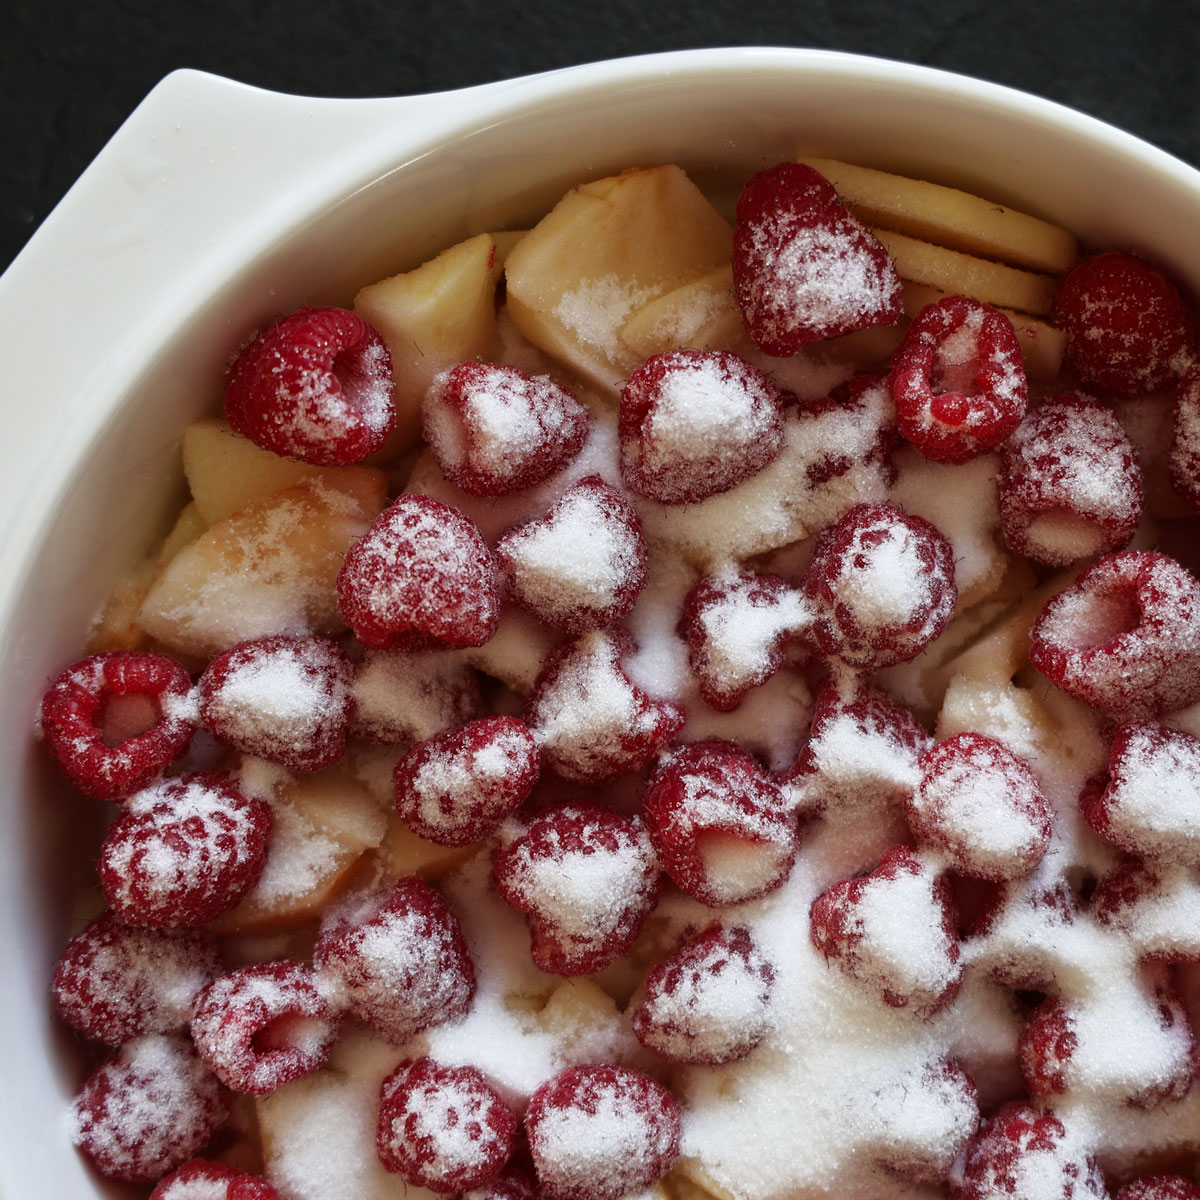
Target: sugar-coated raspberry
(202, 1179)
(1125, 636)
(958, 380)
(1019, 934)
(591, 723)
(880, 587)
(586, 879)
(711, 1001)
(113, 721)
(149, 1108)
(1159, 1187)
(286, 699)
(1026, 1153)
(511, 1184)
(1148, 805)
(1128, 330)
(263, 1026)
(1183, 457)
(601, 1133)
(443, 1128)
(722, 828)
(695, 423)
(862, 750)
(401, 698)
(981, 805)
(1156, 908)
(495, 430)
(184, 851)
(893, 930)
(397, 960)
(804, 269)
(316, 386)
(456, 788)
(420, 577)
(1048, 1043)
(738, 625)
(1070, 486)
(115, 982)
(582, 565)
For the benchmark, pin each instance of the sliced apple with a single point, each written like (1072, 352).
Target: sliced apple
(700, 315)
(403, 853)
(187, 528)
(118, 626)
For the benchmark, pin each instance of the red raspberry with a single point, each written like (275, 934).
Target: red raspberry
(443, 1128)
(147, 1109)
(263, 1026)
(286, 699)
(586, 878)
(893, 930)
(115, 982)
(1157, 909)
(880, 587)
(1183, 458)
(981, 805)
(396, 960)
(1125, 636)
(1020, 933)
(200, 1179)
(738, 626)
(184, 851)
(1070, 486)
(1148, 806)
(958, 380)
(1048, 1043)
(1026, 1152)
(583, 564)
(316, 386)
(1159, 1187)
(600, 1133)
(420, 577)
(862, 750)
(695, 423)
(511, 1184)
(711, 1001)
(456, 788)
(404, 698)
(591, 722)
(1128, 331)
(722, 829)
(804, 269)
(113, 721)
(495, 430)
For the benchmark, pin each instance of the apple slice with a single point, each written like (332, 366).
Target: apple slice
(118, 627)
(187, 528)
(402, 853)
(700, 315)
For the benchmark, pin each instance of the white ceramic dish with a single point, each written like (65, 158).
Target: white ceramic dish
(217, 205)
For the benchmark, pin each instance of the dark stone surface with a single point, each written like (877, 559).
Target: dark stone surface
(70, 70)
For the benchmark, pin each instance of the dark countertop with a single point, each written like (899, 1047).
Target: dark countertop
(71, 71)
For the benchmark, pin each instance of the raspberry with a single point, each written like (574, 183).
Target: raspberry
(316, 386)
(511, 1184)
(286, 699)
(582, 565)
(1159, 1187)
(600, 1133)
(893, 930)
(722, 829)
(982, 806)
(115, 982)
(456, 788)
(804, 269)
(711, 1002)
(184, 851)
(1158, 909)
(263, 1026)
(1148, 807)
(1183, 457)
(421, 577)
(880, 587)
(738, 626)
(695, 423)
(1070, 486)
(1047, 1045)
(586, 878)
(404, 698)
(958, 380)
(591, 723)
(113, 721)
(1125, 636)
(200, 1179)
(443, 1128)
(147, 1109)
(398, 960)
(1026, 1152)
(495, 430)
(1128, 331)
